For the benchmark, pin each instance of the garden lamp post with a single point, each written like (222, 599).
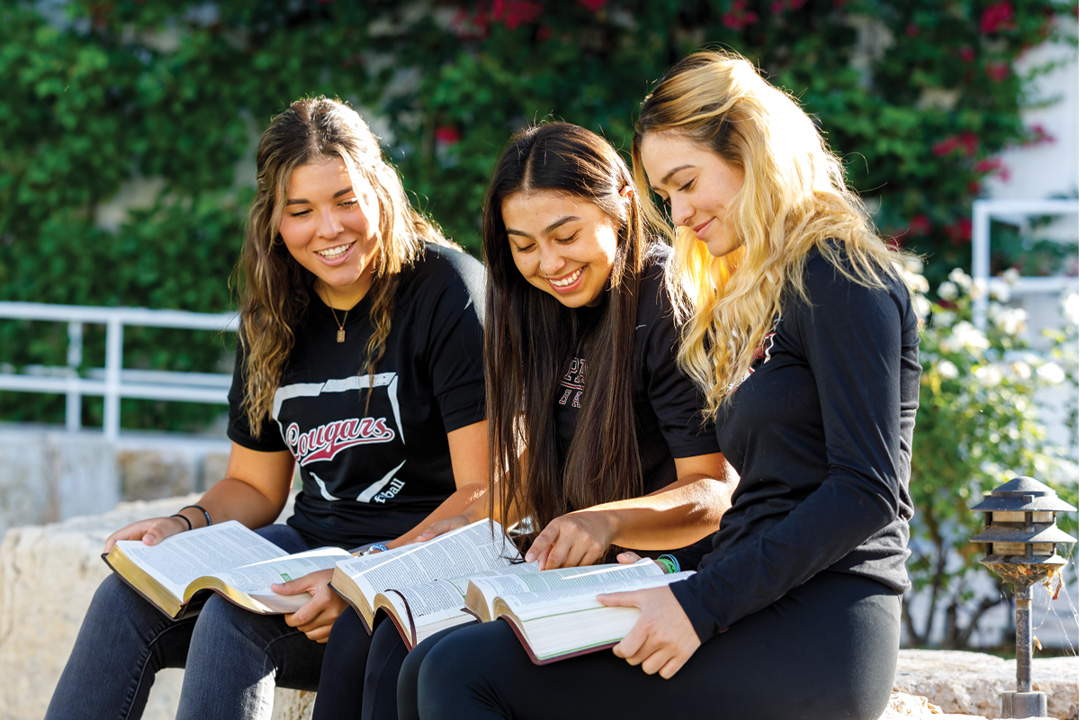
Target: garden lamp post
(1021, 534)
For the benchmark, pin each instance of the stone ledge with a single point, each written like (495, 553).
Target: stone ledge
(48, 575)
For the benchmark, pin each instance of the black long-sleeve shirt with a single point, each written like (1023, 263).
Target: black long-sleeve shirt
(820, 434)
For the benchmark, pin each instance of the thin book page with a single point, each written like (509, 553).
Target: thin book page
(181, 558)
(256, 579)
(454, 554)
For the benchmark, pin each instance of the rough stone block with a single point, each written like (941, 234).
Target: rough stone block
(150, 474)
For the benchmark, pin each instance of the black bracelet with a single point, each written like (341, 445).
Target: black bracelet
(182, 518)
(201, 509)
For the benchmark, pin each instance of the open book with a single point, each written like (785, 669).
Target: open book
(421, 586)
(561, 622)
(227, 558)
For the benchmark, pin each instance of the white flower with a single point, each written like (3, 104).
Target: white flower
(967, 337)
(1010, 276)
(978, 289)
(1051, 373)
(1021, 369)
(913, 278)
(989, 375)
(947, 370)
(1010, 321)
(922, 306)
(962, 279)
(948, 291)
(1070, 308)
(999, 290)
(944, 318)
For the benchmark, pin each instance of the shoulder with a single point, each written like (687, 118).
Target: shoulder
(443, 268)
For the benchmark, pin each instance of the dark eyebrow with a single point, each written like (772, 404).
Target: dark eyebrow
(302, 201)
(548, 230)
(664, 180)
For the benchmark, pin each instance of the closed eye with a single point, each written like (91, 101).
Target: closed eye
(564, 241)
(299, 213)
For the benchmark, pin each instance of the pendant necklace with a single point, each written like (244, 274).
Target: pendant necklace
(340, 325)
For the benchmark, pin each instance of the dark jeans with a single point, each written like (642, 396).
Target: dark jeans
(232, 657)
(825, 651)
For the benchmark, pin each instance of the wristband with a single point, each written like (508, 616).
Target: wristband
(201, 509)
(182, 518)
(375, 547)
(670, 563)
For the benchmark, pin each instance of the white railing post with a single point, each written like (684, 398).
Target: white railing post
(114, 357)
(73, 411)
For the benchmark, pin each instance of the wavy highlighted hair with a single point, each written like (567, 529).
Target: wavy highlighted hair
(793, 198)
(275, 290)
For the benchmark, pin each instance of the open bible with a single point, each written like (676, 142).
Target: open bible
(421, 587)
(227, 558)
(564, 619)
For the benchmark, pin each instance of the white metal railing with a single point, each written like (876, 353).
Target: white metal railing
(982, 212)
(114, 382)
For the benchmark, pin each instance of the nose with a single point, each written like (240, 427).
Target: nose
(329, 225)
(551, 260)
(681, 212)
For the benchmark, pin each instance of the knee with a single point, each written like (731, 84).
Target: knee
(220, 623)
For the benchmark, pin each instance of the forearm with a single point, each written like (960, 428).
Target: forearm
(679, 514)
(469, 501)
(232, 499)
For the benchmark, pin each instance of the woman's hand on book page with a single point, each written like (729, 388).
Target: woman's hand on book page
(572, 540)
(319, 613)
(662, 639)
(439, 527)
(151, 531)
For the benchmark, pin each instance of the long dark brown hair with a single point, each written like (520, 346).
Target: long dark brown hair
(529, 336)
(275, 290)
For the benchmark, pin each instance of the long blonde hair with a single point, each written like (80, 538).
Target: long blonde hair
(793, 199)
(275, 290)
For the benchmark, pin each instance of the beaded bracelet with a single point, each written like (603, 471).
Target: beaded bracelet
(201, 509)
(182, 518)
(670, 563)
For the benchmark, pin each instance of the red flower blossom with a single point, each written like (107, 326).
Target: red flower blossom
(920, 225)
(912, 30)
(593, 6)
(447, 135)
(515, 13)
(966, 141)
(967, 53)
(543, 33)
(777, 7)
(998, 16)
(974, 187)
(997, 71)
(960, 231)
(1039, 136)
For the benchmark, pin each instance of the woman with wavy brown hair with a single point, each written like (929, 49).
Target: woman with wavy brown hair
(358, 363)
(802, 336)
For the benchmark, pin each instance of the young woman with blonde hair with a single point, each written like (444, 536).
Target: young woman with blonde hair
(803, 337)
(359, 362)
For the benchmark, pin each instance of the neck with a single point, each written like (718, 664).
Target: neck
(344, 298)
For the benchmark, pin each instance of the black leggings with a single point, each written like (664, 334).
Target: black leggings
(359, 671)
(826, 650)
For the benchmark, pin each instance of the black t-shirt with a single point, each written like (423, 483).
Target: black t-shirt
(667, 404)
(820, 434)
(373, 466)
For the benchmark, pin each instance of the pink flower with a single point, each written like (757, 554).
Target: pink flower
(997, 71)
(967, 53)
(515, 13)
(960, 231)
(1039, 135)
(912, 30)
(447, 135)
(920, 225)
(970, 142)
(543, 33)
(966, 141)
(593, 6)
(776, 7)
(998, 16)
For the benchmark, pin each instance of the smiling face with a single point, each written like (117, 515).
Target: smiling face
(698, 186)
(561, 244)
(331, 228)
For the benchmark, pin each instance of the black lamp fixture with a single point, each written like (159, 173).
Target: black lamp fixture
(1022, 538)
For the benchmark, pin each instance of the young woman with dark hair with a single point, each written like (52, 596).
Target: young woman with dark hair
(803, 338)
(358, 362)
(596, 437)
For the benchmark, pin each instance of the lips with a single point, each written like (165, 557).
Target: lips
(335, 253)
(703, 227)
(566, 281)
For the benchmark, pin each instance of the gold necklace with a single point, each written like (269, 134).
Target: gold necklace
(340, 325)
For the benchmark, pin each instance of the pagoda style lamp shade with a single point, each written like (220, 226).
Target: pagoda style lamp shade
(1022, 540)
